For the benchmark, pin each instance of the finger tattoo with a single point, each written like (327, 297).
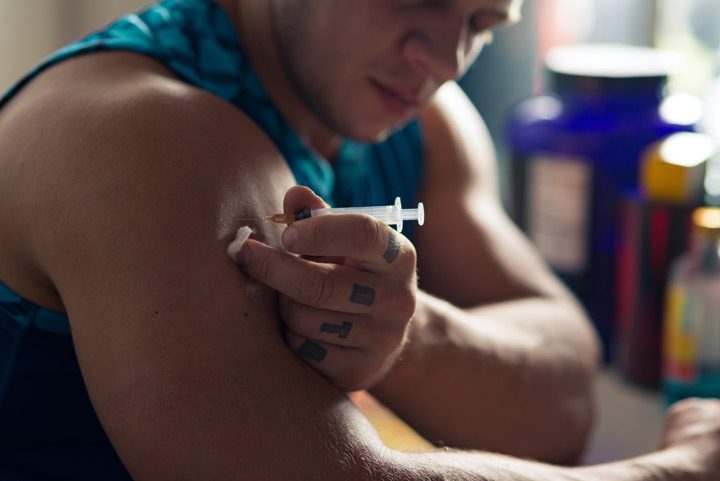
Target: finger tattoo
(362, 295)
(341, 330)
(312, 350)
(393, 247)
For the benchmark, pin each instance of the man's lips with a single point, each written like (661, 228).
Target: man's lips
(397, 100)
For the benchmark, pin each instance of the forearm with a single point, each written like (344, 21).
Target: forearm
(671, 464)
(667, 465)
(499, 378)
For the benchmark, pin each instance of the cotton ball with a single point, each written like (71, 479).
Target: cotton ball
(243, 233)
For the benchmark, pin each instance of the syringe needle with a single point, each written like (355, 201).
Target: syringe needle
(280, 218)
(276, 218)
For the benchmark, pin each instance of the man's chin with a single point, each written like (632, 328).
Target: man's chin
(375, 132)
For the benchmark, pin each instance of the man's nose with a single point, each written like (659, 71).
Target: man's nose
(442, 53)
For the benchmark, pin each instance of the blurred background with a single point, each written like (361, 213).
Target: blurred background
(32, 29)
(596, 165)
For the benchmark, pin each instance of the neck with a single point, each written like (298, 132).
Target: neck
(254, 22)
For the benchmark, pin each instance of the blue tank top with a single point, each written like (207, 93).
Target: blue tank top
(48, 428)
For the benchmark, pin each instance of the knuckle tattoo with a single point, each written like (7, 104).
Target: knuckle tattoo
(342, 330)
(393, 247)
(362, 295)
(312, 351)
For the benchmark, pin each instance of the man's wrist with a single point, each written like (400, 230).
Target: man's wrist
(671, 464)
(425, 330)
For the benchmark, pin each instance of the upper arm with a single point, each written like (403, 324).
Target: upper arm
(469, 251)
(181, 353)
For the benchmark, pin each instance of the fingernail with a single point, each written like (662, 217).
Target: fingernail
(289, 237)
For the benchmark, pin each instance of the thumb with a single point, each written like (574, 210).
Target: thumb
(299, 197)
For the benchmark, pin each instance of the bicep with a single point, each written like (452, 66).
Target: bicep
(181, 353)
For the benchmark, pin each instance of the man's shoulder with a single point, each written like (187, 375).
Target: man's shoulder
(123, 111)
(110, 88)
(449, 105)
(133, 94)
(114, 136)
(458, 148)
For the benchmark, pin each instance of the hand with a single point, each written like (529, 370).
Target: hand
(694, 425)
(347, 297)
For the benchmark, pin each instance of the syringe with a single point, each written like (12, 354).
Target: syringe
(390, 214)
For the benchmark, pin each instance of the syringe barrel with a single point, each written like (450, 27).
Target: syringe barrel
(390, 214)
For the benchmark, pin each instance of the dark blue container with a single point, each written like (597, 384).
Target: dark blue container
(575, 150)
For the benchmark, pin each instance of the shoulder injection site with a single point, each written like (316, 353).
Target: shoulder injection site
(243, 233)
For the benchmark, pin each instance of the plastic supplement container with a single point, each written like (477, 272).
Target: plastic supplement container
(576, 149)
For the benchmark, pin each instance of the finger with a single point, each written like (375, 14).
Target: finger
(325, 286)
(346, 367)
(300, 197)
(694, 408)
(327, 259)
(378, 247)
(331, 327)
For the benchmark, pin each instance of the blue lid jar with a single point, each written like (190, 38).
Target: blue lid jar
(576, 149)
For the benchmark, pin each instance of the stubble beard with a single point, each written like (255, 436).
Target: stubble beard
(296, 54)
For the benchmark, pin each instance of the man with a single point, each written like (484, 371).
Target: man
(123, 182)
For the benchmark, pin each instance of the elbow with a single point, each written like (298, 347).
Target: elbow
(582, 412)
(557, 427)
(575, 420)
(562, 386)
(575, 395)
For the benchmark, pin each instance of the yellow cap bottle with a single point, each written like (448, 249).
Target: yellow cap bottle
(673, 169)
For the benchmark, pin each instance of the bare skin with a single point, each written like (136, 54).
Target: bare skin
(482, 312)
(122, 204)
(347, 290)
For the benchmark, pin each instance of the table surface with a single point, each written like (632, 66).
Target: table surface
(629, 422)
